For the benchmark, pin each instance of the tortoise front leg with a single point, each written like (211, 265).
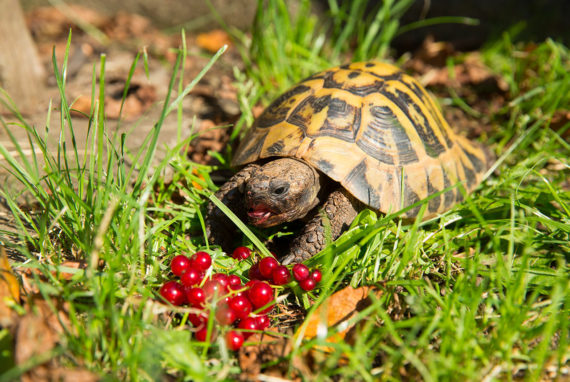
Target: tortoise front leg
(219, 228)
(341, 208)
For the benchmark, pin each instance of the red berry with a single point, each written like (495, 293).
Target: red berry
(201, 261)
(308, 284)
(195, 297)
(191, 277)
(260, 294)
(316, 275)
(241, 253)
(202, 334)
(213, 288)
(198, 320)
(262, 322)
(234, 340)
(225, 315)
(241, 306)
(248, 323)
(179, 265)
(221, 278)
(173, 292)
(254, 273)
(267, 265)
(300, 272)
(234, 280)
(280, 275)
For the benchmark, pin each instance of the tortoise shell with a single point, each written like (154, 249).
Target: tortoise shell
(376, 131)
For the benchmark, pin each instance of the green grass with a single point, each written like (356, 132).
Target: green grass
(476, 293)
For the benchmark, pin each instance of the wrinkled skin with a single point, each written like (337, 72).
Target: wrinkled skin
(283, 190)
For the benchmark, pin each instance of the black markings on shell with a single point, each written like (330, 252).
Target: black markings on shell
(449, 196)
(433, 204)
(276, 147)
(343, 120)
(427, 101)
(277, 111)
(410, 197)
(470, 176)
(303, 113)
(432, 145)
(357, 179)
(375, 138)
(478, 165)
(324, 165)
(251, 150)
(363, 91)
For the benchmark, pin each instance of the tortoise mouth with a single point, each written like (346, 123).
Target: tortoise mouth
(259, 214)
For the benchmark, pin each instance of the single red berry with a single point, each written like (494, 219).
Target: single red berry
(254, 272)
(300, 272)
(173, 292)
(234, 340)
(248, 323)
(234, 280)
(191, 277)
(267, 265)
(198, 320)
(308, 284)
(316, 275)
(260, 294)
(225, 315)
(201, 261)
(202, 334)
(262, 322)
(195, 297)
(179, 265)
(241, 306)
(221, 278)
(280, 275)
(241, 253)
(214, 289)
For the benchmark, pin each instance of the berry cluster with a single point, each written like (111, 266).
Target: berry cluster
(269, 269)
(243, 306)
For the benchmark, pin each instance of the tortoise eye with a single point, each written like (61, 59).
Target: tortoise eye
(280, 190)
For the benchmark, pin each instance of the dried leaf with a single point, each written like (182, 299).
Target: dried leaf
(337, 310)
(37, 333)
(212, 41)
(264, 348)
(9, 291)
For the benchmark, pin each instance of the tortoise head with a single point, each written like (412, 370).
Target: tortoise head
(281, 191)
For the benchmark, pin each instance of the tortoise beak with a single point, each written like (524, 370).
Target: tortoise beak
(259, 213)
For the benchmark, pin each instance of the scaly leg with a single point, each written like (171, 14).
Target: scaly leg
(341, 208)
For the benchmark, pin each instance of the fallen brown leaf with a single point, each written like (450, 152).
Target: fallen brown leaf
(264, 348)
(37, 333)
(213, 40)
(338, 309)
(9, 291)
(139, 98)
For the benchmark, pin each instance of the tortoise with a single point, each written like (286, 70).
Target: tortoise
(362, 135)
